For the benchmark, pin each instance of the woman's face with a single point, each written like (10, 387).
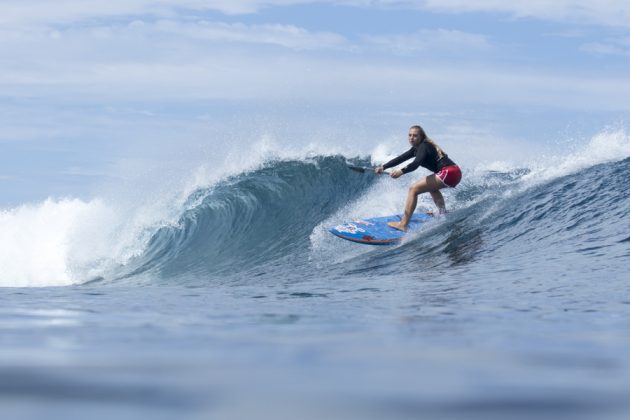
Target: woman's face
(414, 137)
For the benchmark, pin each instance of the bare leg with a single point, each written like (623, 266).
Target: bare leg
(439, 201)
(429, 184)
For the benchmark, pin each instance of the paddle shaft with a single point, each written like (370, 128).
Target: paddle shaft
(364, 169)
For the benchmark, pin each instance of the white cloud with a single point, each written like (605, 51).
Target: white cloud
(181, 60)
(603, 12)
(616, 46)
(289, 36)
(141, 53)
(127, 36)
(435, 40)
(25, 12)
(254, 76)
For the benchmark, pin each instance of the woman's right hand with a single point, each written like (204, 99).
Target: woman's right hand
(396, 173)
(379, 169)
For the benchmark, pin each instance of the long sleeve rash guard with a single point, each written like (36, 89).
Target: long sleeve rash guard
(425, 155)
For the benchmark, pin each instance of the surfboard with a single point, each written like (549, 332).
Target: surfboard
(375, 231)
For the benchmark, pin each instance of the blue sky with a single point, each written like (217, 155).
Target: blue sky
(93, 93)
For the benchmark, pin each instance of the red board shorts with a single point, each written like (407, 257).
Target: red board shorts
(450, 175)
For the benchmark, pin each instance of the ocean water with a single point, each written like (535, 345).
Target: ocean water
(229, 299)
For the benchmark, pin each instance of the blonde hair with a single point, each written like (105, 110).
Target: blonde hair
(426, 138)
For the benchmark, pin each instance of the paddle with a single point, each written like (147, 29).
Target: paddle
(364, 169)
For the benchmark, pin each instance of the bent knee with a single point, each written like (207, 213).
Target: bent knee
(417, 189)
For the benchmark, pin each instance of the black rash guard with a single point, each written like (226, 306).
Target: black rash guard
(426, 156)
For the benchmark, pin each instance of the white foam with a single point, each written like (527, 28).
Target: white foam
(607, 146)
(383, 152)
(37, 241)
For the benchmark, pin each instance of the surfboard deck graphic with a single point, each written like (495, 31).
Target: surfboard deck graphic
(375, 231)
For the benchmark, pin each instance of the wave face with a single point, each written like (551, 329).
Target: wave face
(270, 224)
(574, 226)
(255, 222)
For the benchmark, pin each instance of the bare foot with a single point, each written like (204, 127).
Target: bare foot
(397, 225)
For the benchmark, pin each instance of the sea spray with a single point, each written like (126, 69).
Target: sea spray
(40, 244)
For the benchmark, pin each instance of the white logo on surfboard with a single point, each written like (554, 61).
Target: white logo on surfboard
(349, 228)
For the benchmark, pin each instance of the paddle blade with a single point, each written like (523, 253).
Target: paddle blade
(360, 169)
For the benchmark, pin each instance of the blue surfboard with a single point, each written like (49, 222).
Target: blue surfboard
(375, 231)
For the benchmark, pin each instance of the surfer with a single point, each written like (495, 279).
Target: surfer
(428, 155)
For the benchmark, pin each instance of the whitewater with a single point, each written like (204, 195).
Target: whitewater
(225, 296)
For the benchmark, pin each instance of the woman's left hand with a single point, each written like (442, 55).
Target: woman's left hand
(396, 173)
